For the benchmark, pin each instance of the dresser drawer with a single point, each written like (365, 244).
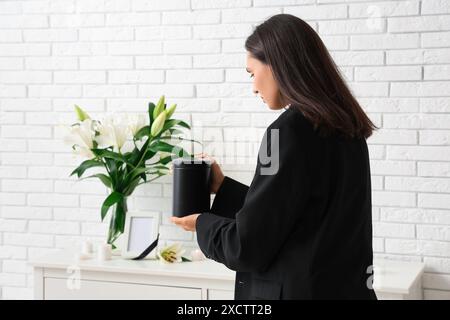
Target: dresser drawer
(57, 288)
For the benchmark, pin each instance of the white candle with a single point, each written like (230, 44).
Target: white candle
(104, 251)
(197, 255)
(86, 247)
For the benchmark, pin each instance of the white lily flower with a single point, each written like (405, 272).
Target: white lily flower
(170, 254)
(136, 123)
(113, 131)
(81, 137)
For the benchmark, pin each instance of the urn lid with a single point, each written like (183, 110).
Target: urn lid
(191, 163)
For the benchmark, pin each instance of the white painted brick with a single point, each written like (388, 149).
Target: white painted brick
(93, 186)
(191, 17)
(78, 49)
(133, 19)
(150, 76)
(415, 215)
(103, 6)
(441, 72)
(355, 58)
(23, 21)
(430, 232)
(416, 121)
(387, 73)
(61, 91)
(82, 77)
(369, 89)
(12, 199)
(173, 90)
(223, 120)
(13, 280)
(434, 137)
(54, 199)
(48, 6)
(163, 62)
(160, 5)
(28, 239)
(109, 91)
(12, 145)
(384, 9)
(27, 185)
(384, 41)
(414, 24)
(387, 167)
(423, 89)
(437, 201)
(19, 158)
(105, 34)
(437, 264)
(384, 136)
(219, 61)
(26, 132)
(106, 62)
(50, 35)
(194, 76)
(90, 105)
(11, 63)
(248, 15)
(325, 12)
(11, 117)
(25, 104)
(12, 252)
(24, 49)
(435, 39)
(221, 31)
(13, 172)
(52, 63)
(233, 45)
(10, 7)
(11, 293)
(360, 26)
(15, 266)
(417, 184)
(435, 7)
(25, 77)
(336, 42)
(418, 153)
(433, 169)
(394, 230)
(11, 91)
(439, 105)
(163, 33)
(391, 198)
(217, 4)
(191, 46)
(10, 36)
(54, 227)
(378, 244)
(77, 214)
(77, 20)
(418, 56)
(223, 90)
(135, 48)
(9, 225)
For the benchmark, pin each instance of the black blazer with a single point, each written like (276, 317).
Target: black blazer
(304, 232)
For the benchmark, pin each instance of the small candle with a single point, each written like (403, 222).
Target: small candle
(82, 256)
(104, 251)
(86, 247)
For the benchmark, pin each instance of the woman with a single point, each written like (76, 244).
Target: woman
(303, 228)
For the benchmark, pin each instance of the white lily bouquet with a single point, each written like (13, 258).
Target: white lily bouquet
(124, 147)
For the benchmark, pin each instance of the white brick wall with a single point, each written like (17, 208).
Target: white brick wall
(115, 55)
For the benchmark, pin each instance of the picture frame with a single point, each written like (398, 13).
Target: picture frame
(141, 230)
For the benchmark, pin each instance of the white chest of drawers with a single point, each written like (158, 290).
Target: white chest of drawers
(60, 276)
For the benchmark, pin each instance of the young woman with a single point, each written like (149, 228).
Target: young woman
(303, 228)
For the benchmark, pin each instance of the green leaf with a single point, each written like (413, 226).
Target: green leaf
(183, 259)
(151, 108)
(103, 178)
(143, 132)
(183, 124)
(111, 200)
(84, 166)
(109, 154)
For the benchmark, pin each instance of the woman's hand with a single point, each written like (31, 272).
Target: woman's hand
(187, 222)
(216, 173)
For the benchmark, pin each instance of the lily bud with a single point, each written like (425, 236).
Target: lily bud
(171, 110)
(158, 124)
(81, 114)
(159, 107)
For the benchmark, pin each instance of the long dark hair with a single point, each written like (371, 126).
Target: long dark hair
(307, 76)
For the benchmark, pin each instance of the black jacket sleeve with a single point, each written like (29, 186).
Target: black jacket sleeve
(272, 208)
(229, 198)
